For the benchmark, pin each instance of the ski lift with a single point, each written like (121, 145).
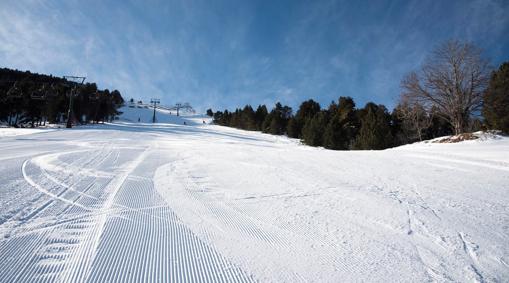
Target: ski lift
(15, 91)
(39, 94)
(51, 91)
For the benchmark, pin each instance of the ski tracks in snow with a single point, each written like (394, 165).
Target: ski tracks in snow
(247, 238)
(88, 224)
(463, 160)
(242, 211)
(432, 236)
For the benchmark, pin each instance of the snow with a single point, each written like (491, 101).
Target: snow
(133, 112)
(479, 136)
(10, 132)
(132, 202)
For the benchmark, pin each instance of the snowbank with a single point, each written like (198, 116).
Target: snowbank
(480, 136)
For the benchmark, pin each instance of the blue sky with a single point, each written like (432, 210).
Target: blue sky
(224, 54)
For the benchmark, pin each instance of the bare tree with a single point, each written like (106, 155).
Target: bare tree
(415, 118)
(452, 79)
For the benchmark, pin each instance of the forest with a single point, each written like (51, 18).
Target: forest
(455, 91)
(31, 100)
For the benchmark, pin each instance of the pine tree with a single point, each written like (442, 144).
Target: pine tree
(276, 121)
(306, 111)
(293, 129)
(375, 131)
(496, 100)
(267, 123)
(312, 132)
(37, 98)
(248, 118)
(218, 118)
(235, 119)
(342, 126)
(275, 126)
(334, 137)
(260, 115)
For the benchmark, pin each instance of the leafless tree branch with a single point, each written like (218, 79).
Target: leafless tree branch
(452, 80)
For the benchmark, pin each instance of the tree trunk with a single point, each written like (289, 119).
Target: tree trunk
(459, 126)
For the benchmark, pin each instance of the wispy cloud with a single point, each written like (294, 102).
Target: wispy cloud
(227, 53)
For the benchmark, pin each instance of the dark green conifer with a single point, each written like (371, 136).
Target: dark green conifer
(313, 130)
(375, 131)
(496, 100)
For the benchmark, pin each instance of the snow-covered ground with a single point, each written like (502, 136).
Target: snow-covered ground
(10, 132)
(144, 113)
(137, 202)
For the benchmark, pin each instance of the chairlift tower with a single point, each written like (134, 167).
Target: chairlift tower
(178, 106)
(77, 81)
(154, 101)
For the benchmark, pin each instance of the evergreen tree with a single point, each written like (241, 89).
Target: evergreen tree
(312, 132)
(334, 136)
(267, 122)
(307, 110)
(496, 100)
(350, 121)
(339, 127)
(116, 97)
(260, 115)
(33, 99)
(227, 117)
(293, 130)
(248, 118)
(375, 131)
(276, 121)
(235, 119)
(342, 126)
(218, 117)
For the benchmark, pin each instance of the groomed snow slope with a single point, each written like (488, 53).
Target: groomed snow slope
(145, 114)
(134, 202)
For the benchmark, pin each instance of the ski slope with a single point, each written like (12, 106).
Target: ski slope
(168, 202)
(11, 132)
(144, 113)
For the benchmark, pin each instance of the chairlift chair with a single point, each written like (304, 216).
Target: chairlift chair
(15, 91)
(51, 91)
(39, 94)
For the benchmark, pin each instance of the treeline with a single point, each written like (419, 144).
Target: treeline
(30, 99)
(343, 126)
(340, 126)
